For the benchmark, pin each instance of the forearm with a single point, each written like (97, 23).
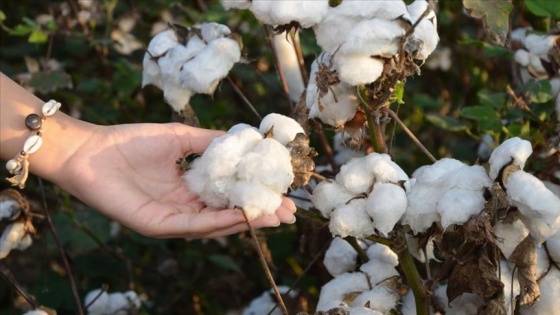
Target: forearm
(62, 136)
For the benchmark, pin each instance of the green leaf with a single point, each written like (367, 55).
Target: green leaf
(492, 99)
(544, 7)
(494, 15)
(38, 37)
(479, 113)
(49, 81)
(22, 29)
(538, 91)
(399, 92)
(447, 123)
(225, 262)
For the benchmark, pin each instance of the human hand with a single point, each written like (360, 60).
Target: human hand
(128, 173)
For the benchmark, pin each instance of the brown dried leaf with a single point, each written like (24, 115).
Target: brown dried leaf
(525, 259)
(302, 160)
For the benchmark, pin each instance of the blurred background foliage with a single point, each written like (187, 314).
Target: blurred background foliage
(70, 51)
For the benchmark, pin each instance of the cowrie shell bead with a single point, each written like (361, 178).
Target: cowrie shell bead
(13, 166)
(50, 107)
(32, 144)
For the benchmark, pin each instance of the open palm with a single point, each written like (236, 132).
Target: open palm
(128, 172)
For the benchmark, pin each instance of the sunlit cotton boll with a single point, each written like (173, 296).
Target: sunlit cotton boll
(356, 69)
(385, 205)
(157, 47)
(382, 253)
(328, 195)
(334, 291)
(284, 129)
(426, 30)
(457, 205)
(388, 10)
(376, 37)
(338, 105)
(333, 29)
(340, 257)
(539, 207)
(515, 149)
(351, 220)
(203, 73)
(384, 169)
(279, 12)
(255, 198)
(14, 237)
(380, 298)
(355, 176)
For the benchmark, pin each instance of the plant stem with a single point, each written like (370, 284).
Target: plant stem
(264, 264)
(244, 98)
(375, 132)
(414, 280)
(61, 251)
(5, 272)
(361, 252)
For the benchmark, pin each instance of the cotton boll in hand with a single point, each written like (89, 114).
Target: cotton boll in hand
(284, 128)
(255, 199)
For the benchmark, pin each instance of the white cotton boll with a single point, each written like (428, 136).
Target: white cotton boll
(378, 271)
(385, 205)
(426, 31)
(133, 299)
(25, 242)
(329, 195)
(421, 207)
(519, 34)
(458, 205)
(36, 312)
(355, 69)
(509, 236)
(382, 253)
(9, 208)
(536, 63)
(215, 192)
(197, 176)
(211, 31)
(539, 207)
(118, 304)
(385, 170)
(340, 257)
(151, 74)
(388, 10)
(333, 292)
(334, 112)
(515, 149)
(549, 303)
(269, 163)
(289, 64)
(380, 298)
(162, 42)
(236, 4)
(101, 304)
(435, 172)
(203, 73)
(522, 57)
(285, 128)
(265, 302)
(540, 45)
(355, 176)
(555, 189)
(375, 37)
(416, 9)
(306, 13)
(351, 220)
(553, 247)
(255, 198)
(331, 32)
(240, 127)
(408, 306)
(11, 238)
(176, 96)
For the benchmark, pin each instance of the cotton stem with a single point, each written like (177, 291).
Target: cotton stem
(264, 264)
(414, 280)
(361, 252)
(375, 129)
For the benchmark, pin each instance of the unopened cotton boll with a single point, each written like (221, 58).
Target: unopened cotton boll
(12, 238)
(340, 257)
(539, 207)
(328, 195)
(255, 199)
(385, 205)
(101, 303)
(509, 236)
(380, 298)
(203, 73)
(351, 220)
(333, 292)
(359, 69)
(280, 12)
(284, 128)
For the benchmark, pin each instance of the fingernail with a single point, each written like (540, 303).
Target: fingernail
(277, 224)
(293, 220)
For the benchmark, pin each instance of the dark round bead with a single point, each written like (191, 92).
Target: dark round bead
(33, 121)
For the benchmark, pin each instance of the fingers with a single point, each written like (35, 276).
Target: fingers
(195, 140)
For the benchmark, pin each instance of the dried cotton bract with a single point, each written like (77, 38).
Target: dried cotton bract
(244, 168)
(183, 61)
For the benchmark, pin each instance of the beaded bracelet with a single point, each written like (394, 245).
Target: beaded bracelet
(19, 165)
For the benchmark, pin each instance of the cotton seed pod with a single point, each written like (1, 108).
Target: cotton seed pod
(50, 108)
(32, 144)
(13, 166)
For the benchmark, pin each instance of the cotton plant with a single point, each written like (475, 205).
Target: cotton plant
(99, 302)
(16, 220)
(257, 169)
(186, 61)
